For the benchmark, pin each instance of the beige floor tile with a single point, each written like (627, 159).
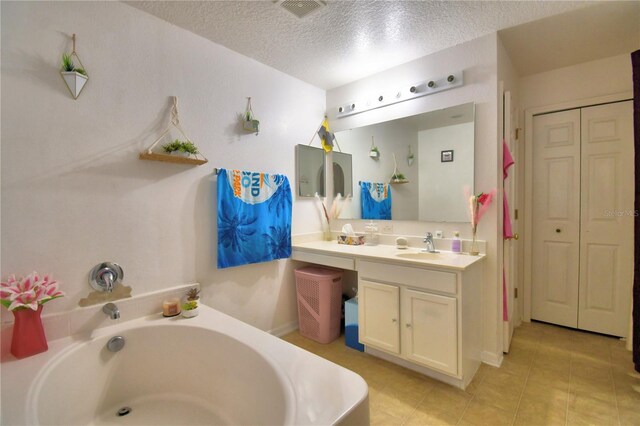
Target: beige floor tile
(551, 396)
(483, 414)
(583, 419)
(380, 418)
(445, 398)
(630, 417)
(422, 417)
(585, 404)
(506, 398)
(394, 407)
(503, 379)
(533, 412)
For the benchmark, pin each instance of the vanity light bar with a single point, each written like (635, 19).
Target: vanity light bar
(418, 90)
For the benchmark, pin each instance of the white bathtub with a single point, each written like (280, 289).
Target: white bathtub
(207, 370)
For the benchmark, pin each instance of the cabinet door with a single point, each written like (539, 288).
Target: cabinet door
(378, 315)
(429, 330)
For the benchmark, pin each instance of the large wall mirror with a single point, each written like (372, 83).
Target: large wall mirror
(435, 153)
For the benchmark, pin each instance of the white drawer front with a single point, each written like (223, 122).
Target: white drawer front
(323, 259)
(444, 282)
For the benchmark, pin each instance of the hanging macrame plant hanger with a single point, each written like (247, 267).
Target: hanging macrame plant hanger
(397, 177)
(174, 123)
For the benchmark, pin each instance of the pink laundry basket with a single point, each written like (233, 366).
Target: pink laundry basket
(319, 294)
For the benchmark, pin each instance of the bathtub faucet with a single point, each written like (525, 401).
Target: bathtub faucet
(112, 310)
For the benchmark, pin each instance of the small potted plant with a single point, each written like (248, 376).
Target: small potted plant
(74, 77)
(398, 177)
(183, 148)
(190, 306)
(374, 153)
(249, 122)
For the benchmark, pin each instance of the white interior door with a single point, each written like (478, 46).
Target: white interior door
(606, 244)
(556, 218)
(510, 255)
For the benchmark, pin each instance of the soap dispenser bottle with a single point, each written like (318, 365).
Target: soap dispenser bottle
(371, 234)
(456, 244)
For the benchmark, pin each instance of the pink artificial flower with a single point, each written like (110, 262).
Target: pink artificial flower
(28, 292)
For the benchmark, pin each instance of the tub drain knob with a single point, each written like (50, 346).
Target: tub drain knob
(115, 343)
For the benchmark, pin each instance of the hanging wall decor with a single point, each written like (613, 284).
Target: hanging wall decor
(410, 157)
(397, 177)
(373, 152)
(177, 151)
(249, 121)
(73, 72)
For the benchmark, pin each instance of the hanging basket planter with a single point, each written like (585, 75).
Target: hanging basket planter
(249, 121)
(73, 72)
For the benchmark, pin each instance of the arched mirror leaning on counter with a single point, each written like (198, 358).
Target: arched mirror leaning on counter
(434, 151)
(310, 175)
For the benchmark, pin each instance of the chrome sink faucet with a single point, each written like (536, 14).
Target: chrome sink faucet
(430, 247)
(112, 310)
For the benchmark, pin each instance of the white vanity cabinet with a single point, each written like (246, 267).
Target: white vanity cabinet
(424, 322)
(379, 315)
(424, 319)
(429, 329)
(418, 310)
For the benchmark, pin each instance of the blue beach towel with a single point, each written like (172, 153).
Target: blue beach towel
(254, 218)
(376, 200)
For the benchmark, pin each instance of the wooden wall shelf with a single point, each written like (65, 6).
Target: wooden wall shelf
(153, 156)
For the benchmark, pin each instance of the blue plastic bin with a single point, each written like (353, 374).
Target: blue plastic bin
(351, 325)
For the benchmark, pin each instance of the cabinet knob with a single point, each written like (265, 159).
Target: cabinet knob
(408, 325)
(394, 320)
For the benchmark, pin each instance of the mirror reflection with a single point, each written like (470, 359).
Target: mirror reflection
(434, 162)
(309, 171)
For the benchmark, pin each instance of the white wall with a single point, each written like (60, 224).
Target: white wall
(440, 200)
(477, 59)
(390, 138)
(74, 192)
(587, 80)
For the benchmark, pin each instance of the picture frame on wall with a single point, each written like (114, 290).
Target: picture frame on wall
(446, 156)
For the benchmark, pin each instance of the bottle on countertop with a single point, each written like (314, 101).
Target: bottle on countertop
(456, 243)
(371, 234)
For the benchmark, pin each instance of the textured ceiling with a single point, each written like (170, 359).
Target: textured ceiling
(600, 31)
(347, 40)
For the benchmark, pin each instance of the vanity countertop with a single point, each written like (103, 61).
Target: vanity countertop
(411, 256)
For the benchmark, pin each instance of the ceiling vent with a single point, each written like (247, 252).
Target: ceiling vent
(301, 8)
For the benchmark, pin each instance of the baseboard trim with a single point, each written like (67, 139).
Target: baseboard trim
(491, 358)
(284, 329)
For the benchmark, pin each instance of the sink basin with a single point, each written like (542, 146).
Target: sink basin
(423, 255)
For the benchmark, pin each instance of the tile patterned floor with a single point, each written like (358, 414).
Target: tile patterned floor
(552, 376)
